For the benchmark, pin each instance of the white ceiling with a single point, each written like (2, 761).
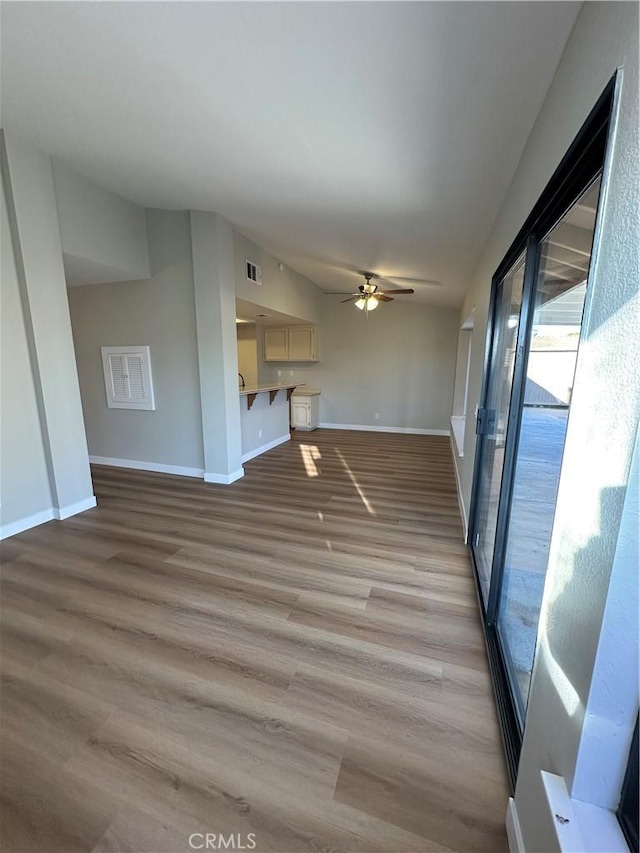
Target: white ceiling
(338, 135)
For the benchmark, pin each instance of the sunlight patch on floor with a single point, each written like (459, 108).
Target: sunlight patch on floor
(356, 485)
(310, 453)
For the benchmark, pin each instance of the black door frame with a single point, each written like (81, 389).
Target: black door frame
(584, 160)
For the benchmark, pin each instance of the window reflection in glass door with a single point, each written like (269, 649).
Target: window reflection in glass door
(551, 359)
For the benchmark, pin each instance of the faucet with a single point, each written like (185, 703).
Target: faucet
(242, 383)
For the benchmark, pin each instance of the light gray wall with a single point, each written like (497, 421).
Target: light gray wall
(248, 352)
(398, 362)
(104, 236)
(160, 313)
(31, 206)
(605, 405)
(215, 303)
(264, 422)
(24, 484)
(285, 291)
(462, 360)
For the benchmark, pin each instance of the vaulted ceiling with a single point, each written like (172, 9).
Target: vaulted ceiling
(340, 136)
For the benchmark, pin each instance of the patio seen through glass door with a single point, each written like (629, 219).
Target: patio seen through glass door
(536, 321)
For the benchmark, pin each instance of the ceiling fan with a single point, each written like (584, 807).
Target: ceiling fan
(368, 295)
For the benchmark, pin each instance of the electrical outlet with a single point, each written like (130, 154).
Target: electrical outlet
(279, 373)
(259, 433)
(376, 417)
(291, 374)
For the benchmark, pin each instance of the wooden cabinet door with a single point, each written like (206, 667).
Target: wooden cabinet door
(276, 346)
(302, 344)
(300, 415)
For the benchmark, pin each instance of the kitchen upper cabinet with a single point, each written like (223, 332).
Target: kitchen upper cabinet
(302, 344)
(276, 344)
(294, 343)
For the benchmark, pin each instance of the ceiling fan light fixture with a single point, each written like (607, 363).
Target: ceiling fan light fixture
(369, 295)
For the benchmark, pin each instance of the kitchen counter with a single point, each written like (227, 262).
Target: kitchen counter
(264, 425)
(306, 391)
(252, 391)
(258, 389)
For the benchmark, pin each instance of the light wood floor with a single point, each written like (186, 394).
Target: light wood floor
(298, 656)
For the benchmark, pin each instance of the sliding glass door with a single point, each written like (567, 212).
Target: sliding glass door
(549, 360)
(535, 319)
(494, 417)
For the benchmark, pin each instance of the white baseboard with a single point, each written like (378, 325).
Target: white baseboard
(463, 512)
(158, 467)
(404, 430)
(74, 509)
(15, 527)
(514, 833)
(224, 479)
(268, 446)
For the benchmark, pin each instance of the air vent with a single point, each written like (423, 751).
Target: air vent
(254, 273)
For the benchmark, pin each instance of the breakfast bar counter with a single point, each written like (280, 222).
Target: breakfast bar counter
(252, 391)
(264, 419)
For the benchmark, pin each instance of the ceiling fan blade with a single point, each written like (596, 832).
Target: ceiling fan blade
(382, 297)
(410, 279)
(339, 293)
(351, 299)
(396, 292)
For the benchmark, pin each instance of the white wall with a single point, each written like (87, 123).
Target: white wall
(281, 290)
(398, 362)
(601, 430)
(104, 236)
(160, 313)
(604, 414)
(613, 697)
(24, 484)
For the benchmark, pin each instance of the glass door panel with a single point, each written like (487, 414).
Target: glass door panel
(552, 349)
(495, 416)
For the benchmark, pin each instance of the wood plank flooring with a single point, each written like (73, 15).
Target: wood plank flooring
(298, 656)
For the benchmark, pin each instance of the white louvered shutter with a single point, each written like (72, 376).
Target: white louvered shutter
(127, 376)
(135, 378)
(117, 378)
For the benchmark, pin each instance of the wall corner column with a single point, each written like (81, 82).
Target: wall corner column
(31, 203)
(215, 299)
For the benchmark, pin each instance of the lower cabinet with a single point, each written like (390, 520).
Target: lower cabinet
(305, 411)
